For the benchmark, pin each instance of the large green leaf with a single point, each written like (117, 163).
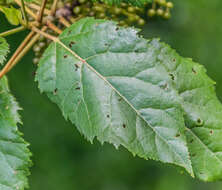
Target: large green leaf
(13, 15)
(105, 99)
(14, 155)
(118, 87)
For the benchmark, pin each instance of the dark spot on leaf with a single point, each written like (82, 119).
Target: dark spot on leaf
(107, 116)
(119, 99)
(124, 126)
(71, 44)
(172, 76)
(211, 132)
(33, 73)
(193, 70)
(65, 56)
(164, 86)
(174, 60)
(77, 88)
(193, 154)
(69, 32)
(55, 91)
(178, 135)
(191, 141)
(199, 122)
(117, 28)
(137, 51)
(77, 67)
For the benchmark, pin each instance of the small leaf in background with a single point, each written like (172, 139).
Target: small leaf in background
(13, 15)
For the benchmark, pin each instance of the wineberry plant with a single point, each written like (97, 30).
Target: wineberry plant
(112, 84)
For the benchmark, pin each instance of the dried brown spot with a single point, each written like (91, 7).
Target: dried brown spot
(117, 28)
(194, 71)
(77, 67)
(65, 56)
(107, 116)
(211, 132)
(174, 60)
(165, 86)
(199, 122)
(124, 126)
(177, 135)
(71, 44)
(172, 76)
(55, 91)
(191, 141)
(77, 88)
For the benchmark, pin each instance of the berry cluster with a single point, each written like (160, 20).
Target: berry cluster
(124, 14)
(39, 48)
(160, 8)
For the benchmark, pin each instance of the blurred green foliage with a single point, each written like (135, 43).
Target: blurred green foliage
(64, 160)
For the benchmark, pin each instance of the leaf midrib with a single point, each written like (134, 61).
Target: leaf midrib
(114, 89)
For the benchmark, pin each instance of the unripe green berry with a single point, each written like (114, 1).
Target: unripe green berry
(169, 5)
(98, 8)
(131, 18)
(77, 10)
(122, 23)
(137, 17)
(161, 2)
(82, 1)
(35, 60)
(160, 12)
(42, 44)
(151, 12)
(117, 10)
(123, 5)
(91, 13)
(101, 15)
(36, 48)
(141, 22)
(131, 9)
(167, 15)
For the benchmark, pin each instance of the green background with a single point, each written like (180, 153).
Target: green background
(64, 160)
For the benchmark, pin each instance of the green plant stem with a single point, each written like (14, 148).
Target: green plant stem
(54, 6)
(32, 14)
(41, 11)
(13, 31)
(24, 12)
(33, 40)
(17, 52)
